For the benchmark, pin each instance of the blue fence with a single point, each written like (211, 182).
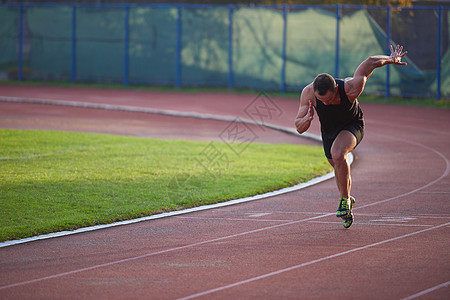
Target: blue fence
(262, 47)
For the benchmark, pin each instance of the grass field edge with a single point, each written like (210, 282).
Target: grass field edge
(176, 213)
(173, 213)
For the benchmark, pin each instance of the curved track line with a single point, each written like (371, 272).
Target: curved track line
(446, 172)
(407, 127)
(427, 291)
(148, 110)
(311, 262)
(175, 114)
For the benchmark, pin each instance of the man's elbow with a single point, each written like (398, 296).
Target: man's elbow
(377, 61)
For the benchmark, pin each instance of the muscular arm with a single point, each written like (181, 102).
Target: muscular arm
(306, 112)
(354, 86)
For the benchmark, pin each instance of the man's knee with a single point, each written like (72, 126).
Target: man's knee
(339, 156)
(343, 144)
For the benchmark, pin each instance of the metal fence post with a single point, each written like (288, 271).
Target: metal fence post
(19, 71)
(73, 58)
(230, 48)
(126, 45)
(336, 55)
(283, 55)
(438, 71)
(178, 50)
(388, 51)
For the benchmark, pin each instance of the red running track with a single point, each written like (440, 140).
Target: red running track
(289, 246)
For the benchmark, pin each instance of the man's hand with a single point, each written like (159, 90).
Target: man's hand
(397, 55)
(304, 118)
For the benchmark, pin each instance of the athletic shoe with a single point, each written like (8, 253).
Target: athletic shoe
(344, 207)
(348, 219)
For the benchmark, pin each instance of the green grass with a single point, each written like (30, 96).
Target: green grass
(52, 181)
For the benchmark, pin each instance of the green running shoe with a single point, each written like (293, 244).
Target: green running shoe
(348, 219)
(344, 207)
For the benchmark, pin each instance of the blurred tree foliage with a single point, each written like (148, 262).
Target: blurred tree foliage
(400, 3)
(355, 2)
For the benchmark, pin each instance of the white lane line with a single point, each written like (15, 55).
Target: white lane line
(233, 219)
(218, 289)
(297, 212)
(394, 219)
(372, 224)
(156, 253)
(397, 125)
(427, 291)
(445, 174)
(379, 215)
(257, 215)
(418, 216)
(435, 192)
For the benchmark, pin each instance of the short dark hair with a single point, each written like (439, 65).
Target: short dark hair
(323, 83)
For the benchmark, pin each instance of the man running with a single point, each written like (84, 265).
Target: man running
(341, 119)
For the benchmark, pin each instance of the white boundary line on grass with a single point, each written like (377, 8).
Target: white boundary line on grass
(175, 114)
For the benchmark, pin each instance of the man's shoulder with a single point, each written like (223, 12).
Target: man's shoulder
(350, 88)
(308, 90)
(308, 94)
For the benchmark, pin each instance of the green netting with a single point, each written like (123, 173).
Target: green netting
(190, 45)
(257, 47)
(204, 53)
(152, 45)
(445, 76)
(50, 41)
(418, 76)
(100, 43)
(310, 50)
(8, 37)
(356, 27)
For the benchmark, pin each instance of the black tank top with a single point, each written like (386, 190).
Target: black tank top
(335, 117)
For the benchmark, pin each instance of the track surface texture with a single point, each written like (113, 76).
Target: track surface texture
(290, 246)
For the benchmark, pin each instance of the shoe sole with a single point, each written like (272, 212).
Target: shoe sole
(349, 216)
(342, 214)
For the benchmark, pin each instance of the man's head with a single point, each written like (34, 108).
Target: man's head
(324, 83)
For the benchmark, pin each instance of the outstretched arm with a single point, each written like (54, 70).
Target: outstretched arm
(355, 86)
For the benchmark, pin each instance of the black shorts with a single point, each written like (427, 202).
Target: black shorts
(356, 127)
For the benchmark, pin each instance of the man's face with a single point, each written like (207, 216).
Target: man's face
(328, 98)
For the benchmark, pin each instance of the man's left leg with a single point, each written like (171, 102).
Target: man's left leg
(344, 143)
